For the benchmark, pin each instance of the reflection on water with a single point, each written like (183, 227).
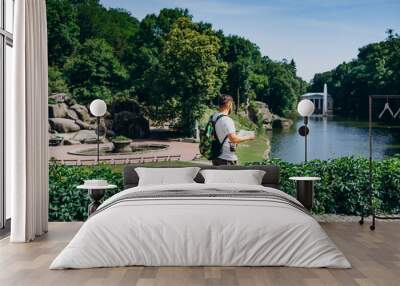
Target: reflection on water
(334, 137)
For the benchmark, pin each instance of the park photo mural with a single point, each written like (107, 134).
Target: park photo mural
(160, 76)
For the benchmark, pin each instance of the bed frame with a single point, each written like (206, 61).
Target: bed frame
(270, 179)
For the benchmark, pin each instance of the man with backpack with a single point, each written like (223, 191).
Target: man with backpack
(219, 139)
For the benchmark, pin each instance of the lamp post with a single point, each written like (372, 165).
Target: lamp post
(98, 108)
(305, 108)
(96, 188)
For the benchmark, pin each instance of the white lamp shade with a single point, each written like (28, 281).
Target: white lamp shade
(305, 107)
(98, 108)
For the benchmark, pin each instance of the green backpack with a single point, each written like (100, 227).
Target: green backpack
(210, 147)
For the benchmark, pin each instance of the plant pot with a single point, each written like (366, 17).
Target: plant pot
(122, 146)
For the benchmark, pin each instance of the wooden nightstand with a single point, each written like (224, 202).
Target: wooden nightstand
(305, 190)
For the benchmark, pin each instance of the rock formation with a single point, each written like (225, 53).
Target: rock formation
(58, 110)
(259, 113)
(82, 112)
(281, 122)
(63, 125)
(77, 126)
(68, 118)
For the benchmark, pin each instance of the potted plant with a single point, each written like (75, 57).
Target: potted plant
(121, 144)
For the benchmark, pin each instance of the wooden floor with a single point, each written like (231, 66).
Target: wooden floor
(375, 257)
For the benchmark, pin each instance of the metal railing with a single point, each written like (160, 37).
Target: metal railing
(117, 161)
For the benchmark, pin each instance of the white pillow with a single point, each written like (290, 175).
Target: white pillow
(248, 177)
(166, 176)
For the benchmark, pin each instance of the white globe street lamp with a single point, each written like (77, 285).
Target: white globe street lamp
(305, 108)
(98, 108)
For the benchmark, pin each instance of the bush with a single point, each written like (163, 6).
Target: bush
(57, 82)
(120, 138)
(66, 202)
(343, 188)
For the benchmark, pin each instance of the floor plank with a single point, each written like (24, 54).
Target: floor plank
(375, 257)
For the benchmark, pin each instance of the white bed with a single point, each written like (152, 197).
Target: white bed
(201, 231)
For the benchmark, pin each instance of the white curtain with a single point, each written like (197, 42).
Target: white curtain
(27, 151)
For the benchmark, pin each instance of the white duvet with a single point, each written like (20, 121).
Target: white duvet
(200, 231)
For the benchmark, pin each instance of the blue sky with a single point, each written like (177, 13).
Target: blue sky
(318, 34)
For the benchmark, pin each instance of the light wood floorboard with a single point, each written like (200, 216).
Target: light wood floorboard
(375, 257)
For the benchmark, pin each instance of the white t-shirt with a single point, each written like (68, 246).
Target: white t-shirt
(223, 127)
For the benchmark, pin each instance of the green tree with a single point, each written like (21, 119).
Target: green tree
(56, 81)
(153, 29)
(284, 87)
(122, 57)
(259, 83)
(190, 72)
(63, 31)
(374, 71)
(94, 72)
(250, 76)
(143, 56)
(116, 26)
(242, 57)
(282, 94)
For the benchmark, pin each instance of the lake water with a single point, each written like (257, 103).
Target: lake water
(334, 137)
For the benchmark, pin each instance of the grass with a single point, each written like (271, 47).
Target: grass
(252, 151)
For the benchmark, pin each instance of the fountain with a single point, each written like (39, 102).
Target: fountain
(121, 144)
